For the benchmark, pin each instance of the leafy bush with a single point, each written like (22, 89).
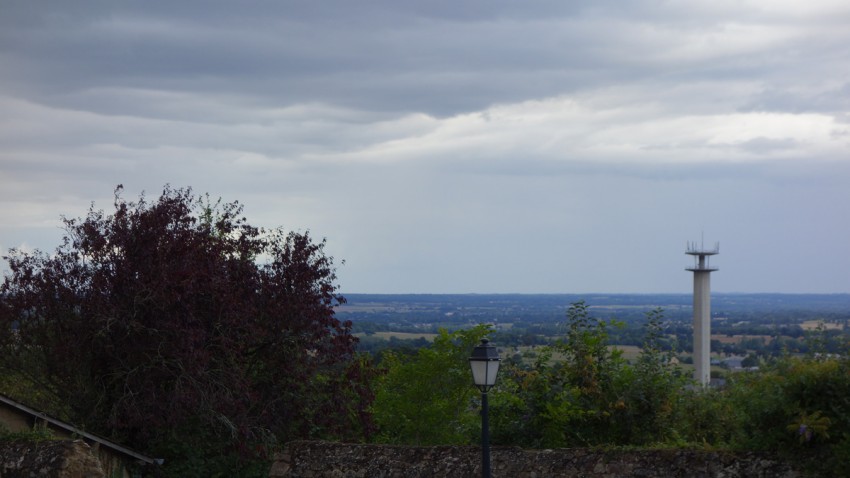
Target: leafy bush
(592, 396)
(37, 434)
(427, 398)
(800, 408)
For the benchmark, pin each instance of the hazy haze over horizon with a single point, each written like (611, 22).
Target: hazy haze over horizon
(452, 147)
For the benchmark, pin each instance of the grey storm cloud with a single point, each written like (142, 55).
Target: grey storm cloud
(451, 146)
(440, 58)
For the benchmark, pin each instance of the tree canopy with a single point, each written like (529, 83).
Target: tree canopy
(176, 320)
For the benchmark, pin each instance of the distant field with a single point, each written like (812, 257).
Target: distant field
(371, 308)
(814, 324)
(737, 339)
(405, 336)
(630, 352)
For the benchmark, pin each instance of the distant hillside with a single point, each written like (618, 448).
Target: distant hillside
(551, 307)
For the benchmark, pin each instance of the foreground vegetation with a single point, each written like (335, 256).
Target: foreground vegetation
(797, 407)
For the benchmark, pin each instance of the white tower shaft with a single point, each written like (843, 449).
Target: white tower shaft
(702, 327)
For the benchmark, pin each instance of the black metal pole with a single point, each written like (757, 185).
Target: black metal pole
(485, 437)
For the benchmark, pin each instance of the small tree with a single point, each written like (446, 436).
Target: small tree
(653, 388)
(426, 399)
(585, 392)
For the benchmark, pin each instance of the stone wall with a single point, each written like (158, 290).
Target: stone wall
(49, 458)
(310, 459)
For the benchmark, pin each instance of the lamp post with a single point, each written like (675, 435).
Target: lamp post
(485, 365)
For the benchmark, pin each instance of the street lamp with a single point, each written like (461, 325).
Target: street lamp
(485, 365)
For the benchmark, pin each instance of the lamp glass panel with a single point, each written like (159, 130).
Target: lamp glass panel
(479, 371)
(492, 370)
(484, 372)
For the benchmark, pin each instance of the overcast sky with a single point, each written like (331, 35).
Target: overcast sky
(452, 146)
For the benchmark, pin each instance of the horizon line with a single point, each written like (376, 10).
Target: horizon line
(592, 293)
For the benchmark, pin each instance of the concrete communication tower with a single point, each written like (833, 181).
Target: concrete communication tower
(702, 309)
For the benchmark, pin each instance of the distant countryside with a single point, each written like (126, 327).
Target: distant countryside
(746, 328)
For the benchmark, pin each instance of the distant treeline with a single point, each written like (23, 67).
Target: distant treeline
(454, 308)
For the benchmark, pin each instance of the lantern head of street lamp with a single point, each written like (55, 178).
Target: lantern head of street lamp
(485, 365)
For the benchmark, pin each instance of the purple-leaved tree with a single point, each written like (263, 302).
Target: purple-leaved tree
(176, 320)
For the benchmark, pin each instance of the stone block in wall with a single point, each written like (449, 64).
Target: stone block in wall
(49, 459)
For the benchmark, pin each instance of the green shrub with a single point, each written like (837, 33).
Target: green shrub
(37, 434)
(427, 398)
(798, 408)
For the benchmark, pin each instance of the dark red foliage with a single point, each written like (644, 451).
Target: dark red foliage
(177, 314)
